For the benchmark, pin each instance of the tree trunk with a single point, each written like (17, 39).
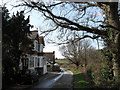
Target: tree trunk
(114, 36)
(116, 58)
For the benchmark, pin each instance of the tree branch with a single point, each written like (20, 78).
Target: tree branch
(48, 31)
(76, 27)
(86, 36)
(110, 26)
(55, 4)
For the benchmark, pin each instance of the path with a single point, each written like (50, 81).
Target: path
(66, 81)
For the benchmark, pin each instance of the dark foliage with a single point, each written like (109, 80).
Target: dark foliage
(15, 32)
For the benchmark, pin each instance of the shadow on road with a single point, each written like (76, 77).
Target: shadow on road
(50, 81)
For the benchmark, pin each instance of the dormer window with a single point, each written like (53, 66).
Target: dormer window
(36, 45)
(41, 47)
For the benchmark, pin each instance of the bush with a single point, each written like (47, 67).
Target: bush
(105, 73)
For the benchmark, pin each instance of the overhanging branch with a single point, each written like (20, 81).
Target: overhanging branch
(76, 27)
(110, 26)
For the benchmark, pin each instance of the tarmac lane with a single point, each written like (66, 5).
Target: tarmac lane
(45, 82)
(55, 80)
(66, 81)
(49, 81)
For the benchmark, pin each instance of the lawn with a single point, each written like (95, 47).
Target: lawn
(79, 80)
(62, 61)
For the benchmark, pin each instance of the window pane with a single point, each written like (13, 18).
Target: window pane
(38, 62)
(32, 62)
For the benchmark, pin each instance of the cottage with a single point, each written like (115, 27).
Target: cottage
(36, 60)
(50, 57)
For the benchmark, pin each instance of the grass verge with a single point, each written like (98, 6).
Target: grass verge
(62, 61)
(79, 80)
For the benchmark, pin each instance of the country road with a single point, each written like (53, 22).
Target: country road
(66, 81)
(52, 80)
(55, 80)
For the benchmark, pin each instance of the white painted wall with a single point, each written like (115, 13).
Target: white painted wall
(45, 66)
(41, 47)
(35, 45)
(41, 61)
(34, 61)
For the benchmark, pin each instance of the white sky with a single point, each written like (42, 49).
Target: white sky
(37, 20)
(50, 47)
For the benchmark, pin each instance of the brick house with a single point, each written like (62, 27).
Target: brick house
(36, 60)
(50, 57)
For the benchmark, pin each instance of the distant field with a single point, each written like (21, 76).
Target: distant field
(62, 61)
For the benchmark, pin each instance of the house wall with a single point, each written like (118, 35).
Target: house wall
(36, 60)
(45, 66)
(50, 57)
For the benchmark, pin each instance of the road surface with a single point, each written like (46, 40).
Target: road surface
(55, 80)
(50, 81)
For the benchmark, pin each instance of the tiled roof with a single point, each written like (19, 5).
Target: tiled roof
(34, 35)
(49, 52)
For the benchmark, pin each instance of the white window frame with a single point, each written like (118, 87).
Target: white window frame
(36, 61)
(31, 60)
(41, 61)
(28, 56)
(35, 45)
(41, 47)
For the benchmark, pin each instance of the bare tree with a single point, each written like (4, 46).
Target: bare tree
(84, 19)
(76, 52)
